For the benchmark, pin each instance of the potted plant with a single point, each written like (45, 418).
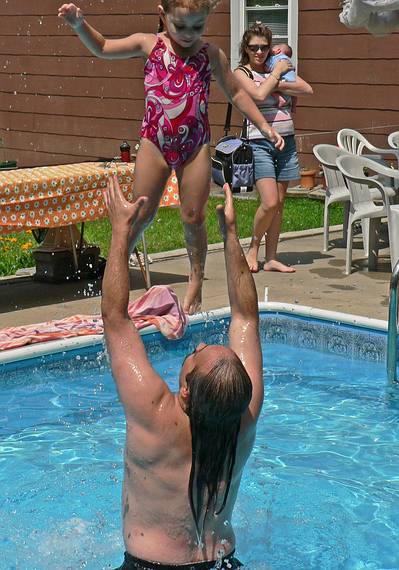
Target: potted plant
(308, 176)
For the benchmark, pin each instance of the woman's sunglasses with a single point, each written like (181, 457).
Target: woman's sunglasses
(256, 47)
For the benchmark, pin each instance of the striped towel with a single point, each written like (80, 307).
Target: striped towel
(158, 306)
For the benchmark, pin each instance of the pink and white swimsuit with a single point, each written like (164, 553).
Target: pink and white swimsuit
(176, 104)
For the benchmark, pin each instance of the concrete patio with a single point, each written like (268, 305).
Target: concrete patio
(319, 282)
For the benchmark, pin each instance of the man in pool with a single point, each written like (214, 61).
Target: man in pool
(185, 452)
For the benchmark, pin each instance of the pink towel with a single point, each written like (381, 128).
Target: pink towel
(159, 306)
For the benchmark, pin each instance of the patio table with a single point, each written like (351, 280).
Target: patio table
(64, 195)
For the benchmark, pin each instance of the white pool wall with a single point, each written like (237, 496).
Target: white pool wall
(56, 346)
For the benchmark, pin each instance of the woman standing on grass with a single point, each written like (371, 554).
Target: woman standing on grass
(273, 169)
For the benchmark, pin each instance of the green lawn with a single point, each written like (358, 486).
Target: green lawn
(166, 231)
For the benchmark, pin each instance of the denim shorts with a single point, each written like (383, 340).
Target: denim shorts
(282, 165)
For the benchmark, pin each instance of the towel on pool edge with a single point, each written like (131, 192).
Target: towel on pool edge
(158, 306)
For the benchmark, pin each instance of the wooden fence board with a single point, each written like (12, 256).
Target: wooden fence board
(60, 46)
(349, 47)
(320, 120)
(122, 7)
(336, 73)
(110, 25)
(381, 97)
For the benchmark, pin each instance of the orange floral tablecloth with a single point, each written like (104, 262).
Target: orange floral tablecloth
(56, 196)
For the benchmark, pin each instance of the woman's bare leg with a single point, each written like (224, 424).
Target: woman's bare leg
(194, 186)
(273, 234)
(268, 192)
(150, 175)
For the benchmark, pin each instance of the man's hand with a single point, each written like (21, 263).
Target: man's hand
(273, 136)
(121, 213)
(71, 14)
(226, 214)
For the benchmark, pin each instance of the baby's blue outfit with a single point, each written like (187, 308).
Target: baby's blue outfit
(271, 63)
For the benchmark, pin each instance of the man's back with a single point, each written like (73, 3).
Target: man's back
(157, 519)
(184, 453)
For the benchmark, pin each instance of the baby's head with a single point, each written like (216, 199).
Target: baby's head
(184, 20)
(285, 49)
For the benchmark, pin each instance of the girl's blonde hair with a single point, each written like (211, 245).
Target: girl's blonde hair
(193, 5)
(256, 30)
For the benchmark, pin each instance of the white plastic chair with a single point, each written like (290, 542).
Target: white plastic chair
(355, 143)
(363, 207)
(336, 190)
(392, 209)
(393, 141)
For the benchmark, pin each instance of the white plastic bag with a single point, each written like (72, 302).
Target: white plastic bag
(380, 17)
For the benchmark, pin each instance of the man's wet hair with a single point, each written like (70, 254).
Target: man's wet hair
(216, 403)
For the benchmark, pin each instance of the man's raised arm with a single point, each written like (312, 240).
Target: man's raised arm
(244, 327)
(140, 387)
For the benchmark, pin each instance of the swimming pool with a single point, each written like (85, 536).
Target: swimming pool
(320, 491)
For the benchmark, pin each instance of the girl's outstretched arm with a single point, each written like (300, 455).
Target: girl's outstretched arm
(136, 45)
(237, 95)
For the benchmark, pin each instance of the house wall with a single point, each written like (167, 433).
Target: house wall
(355, 77)
(58, 103)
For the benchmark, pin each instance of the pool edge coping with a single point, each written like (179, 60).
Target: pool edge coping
(46, 348)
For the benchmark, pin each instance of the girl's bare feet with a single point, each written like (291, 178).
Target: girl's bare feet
(252, 260)
(193, 298)
(274, 265)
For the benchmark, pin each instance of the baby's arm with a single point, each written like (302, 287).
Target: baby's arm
(136, 45)
(289, 75)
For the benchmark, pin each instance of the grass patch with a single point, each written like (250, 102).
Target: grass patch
(166, 231)
(16, 252)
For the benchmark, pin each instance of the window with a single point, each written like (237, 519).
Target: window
(280, 16)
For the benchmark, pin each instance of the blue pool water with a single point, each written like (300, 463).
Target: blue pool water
(320, 491)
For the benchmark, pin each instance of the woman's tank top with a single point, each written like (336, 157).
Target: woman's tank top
(276, 109)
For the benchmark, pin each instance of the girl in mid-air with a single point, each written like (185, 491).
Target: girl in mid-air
(175, 132)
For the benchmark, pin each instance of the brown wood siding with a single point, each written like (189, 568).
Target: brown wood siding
(60, 104)
(355, 78)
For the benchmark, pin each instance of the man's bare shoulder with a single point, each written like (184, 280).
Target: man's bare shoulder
(165, 437)
(159, 414)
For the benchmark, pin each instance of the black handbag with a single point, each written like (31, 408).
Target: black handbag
(233, 160)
